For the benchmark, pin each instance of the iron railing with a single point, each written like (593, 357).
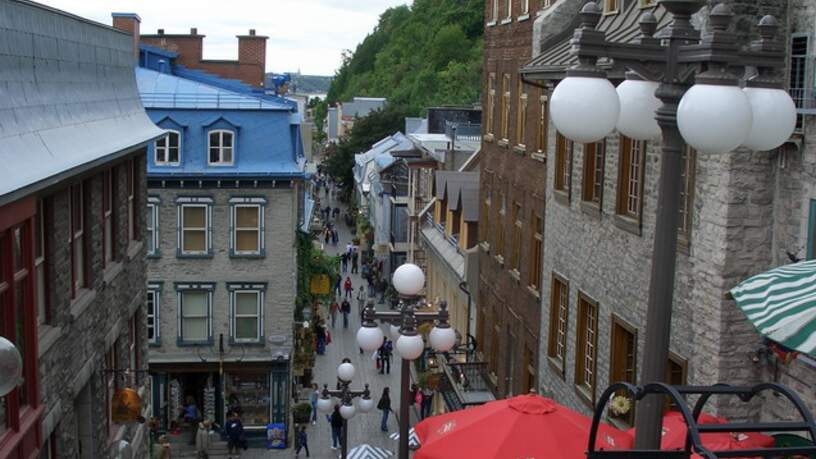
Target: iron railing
(192, 100)
(469, 382)
(463, 131)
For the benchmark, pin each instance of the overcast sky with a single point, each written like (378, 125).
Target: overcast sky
(303, 34)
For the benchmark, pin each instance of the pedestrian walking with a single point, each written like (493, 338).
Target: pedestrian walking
(385, 352)
(235, 436)
(348, 287)
(383, 289)
(336, 213)
(427, 402)
(354, 258)
(336, 421)
(384, 405)
(320, 332)
(302, 441)
(327, 236)
(191, 416)
(337, 286)
(313, 398)
(333, 311)
(344, 258)
(345, 308)
(361, 297)
(349, 248)
(202, 441)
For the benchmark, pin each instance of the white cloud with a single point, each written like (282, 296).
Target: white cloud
(303, 34)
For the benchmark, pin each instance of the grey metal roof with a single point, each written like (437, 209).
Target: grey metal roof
(461, 188)
(621, 27)
(68, 98)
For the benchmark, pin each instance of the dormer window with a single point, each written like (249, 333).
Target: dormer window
(168, 149)
(220, 144)
(611, 6)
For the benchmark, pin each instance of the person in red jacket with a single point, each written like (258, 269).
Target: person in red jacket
(348, 288)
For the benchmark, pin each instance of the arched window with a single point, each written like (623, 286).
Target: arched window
(168, 149)
(220, 144)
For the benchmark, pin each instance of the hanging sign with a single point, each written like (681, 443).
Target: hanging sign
(126, 406)
(319, 284)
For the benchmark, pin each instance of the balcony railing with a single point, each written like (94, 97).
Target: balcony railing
(468, 383)
(192, 100)
(463, 131)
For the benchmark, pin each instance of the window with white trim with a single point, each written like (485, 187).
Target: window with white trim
(525, 7)
(168, 149)
(247, 313)
(195, 226)
(220, 144)
(247, 224)
(152, 226)
(153, 307)
(495, 11)
(195, 308)
(509, 16)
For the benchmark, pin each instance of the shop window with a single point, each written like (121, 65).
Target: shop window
(559, 312)
(153, 206)
(247, 315)
(77, 239)
(586, 358)
(521, 115)
(133, 199)
(220, 147)
(686, 194)
(515, 250)
(249, 391)
(594, 154)
(563, 165)
(153, 308)
(41, 223)
(630, 178)
(623, 362)
(194, 315)
(167, 149)
(247, 222)
(195, 227)
(537, 252)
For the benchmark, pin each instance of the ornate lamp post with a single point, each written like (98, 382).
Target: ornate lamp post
(680, 84)
(345, 396)
(408, 280)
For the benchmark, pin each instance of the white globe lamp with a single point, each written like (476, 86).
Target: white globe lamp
(774, 118)
(365, 405)
(584, 109)
(410, 346)
(714, 118)
(409, 279)
(638, 105)
(369, 338)
(395, 331)
(442, 339)
(345, 371)
(347, 411)
(11, 367)
(324, 405)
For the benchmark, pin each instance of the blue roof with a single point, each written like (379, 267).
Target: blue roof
(162, 90)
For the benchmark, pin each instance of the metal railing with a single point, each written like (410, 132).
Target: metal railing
(466, 379)
(192, 100)
(463, 131)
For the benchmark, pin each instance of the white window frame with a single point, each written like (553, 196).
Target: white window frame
(509, 16)
(164, 151)
(221, 147)
(206, 203)
(153, 308)
(181, 289)
(153, 208)
(260, 204)
(257, 289)
(525, 7)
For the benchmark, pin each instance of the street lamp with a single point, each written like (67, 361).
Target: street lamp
(11, 367)
(345, 397)
(408, 280)
(682, 83)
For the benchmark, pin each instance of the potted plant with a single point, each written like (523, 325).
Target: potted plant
(302, 413)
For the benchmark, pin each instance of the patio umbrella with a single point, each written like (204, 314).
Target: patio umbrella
(674, 435)
(781, 303)
(521, 427)
(413, 440)
(365, 451)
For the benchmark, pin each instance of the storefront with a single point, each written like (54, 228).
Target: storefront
(258, 392)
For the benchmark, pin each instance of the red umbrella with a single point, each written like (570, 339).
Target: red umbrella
(527, 426)
(674, 435)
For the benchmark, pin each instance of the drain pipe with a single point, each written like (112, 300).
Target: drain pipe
(463, 288)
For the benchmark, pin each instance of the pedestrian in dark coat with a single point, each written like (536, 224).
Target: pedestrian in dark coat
(303, 441)
(333, 311)
(354, 258)
(337, 286)
(345, 308)
(344, 258)
(384, 405)
(336, 421)
(235, 435)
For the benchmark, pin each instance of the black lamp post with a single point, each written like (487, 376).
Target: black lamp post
(345, 373)
(700, 104)
(408, 280)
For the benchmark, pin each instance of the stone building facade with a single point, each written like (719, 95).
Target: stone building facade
(512, 184)
(740, 213)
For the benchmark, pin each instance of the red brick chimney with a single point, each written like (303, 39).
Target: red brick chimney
(252, 51)
(129, 22)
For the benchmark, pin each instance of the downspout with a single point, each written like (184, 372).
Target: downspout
(468, 336)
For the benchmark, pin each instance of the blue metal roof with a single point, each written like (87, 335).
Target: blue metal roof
(162, 90)
(68, 98)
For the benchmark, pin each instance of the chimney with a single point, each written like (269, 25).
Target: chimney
(160, 31)
(193, 31)
(252, 51)
(252, 32)
(129, 22)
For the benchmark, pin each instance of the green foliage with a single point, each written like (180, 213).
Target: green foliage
(425, 55)
(302, 412)
(311, 261)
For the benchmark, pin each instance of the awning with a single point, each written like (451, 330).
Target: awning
(781, 303)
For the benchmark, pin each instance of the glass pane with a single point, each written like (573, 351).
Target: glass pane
(226, 137)
(215, 140)
(17, 249)
(173, 140)
(246, 217)
(41, 304)
(246, 303)
(172, 155)
(194, 329)
(19, 330)
(215, 155)
(246, 328)
(194, 304)
(194, 241)
(151, 316)
(195, 217)
(246, 241)
(226, 154)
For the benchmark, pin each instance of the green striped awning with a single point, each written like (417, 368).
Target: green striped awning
(781, 303)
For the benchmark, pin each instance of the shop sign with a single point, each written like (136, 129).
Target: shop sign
(126, 406)
(319, 284)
